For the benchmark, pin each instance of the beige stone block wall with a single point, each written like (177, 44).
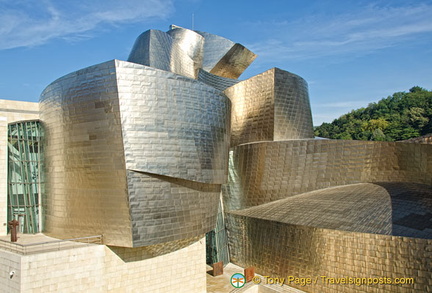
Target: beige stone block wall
(98, 268)
(72, 270)
(9, 262)
(10, 111)
(180, 271)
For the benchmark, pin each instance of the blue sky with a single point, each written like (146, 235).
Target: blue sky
(351, 53)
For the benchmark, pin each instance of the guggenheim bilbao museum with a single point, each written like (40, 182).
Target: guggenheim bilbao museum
(170, 162)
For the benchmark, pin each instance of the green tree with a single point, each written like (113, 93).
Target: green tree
(402, 115)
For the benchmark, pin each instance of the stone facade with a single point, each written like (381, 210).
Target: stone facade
(99, 268)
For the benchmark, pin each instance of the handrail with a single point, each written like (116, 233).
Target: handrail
(49, 245)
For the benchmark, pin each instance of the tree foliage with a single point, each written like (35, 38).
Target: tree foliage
(401, 116)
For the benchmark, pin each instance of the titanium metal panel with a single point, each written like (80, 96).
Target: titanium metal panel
(304, 251)
(225, 58)
(293, 115)
(399, 209)
(86, 187)
(252, 109)
(166, 209)
(173, 125)
(152, 48)
(273, 105)
(422, 139)
(157, 49)
(190, 42)
(219, 83)
(234, 62)
(215, 47)
(266, 171)
(109, 124)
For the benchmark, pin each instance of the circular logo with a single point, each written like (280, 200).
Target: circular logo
(238, 280)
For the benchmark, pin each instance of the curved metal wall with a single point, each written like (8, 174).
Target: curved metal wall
(266, 171)
(225, 58)
(392, 208)
(309, 252)
(152, 48)
(215, 47)
(273, 105)
(190, 42)
(110, 129)
(157, 49)
(168, 209)
(173, 125)
(86, 187)
(219, 83)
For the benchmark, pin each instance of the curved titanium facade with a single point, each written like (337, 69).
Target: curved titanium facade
(273, 105)
(190, 42)
(219, 83)
(324, 230)
(215, 48)
(267, 171)
(310, 252)
(225, 58)
(112, 130)
(184, 52)
(172, 125)
(86, 184)
(157, 49)
(391, 208)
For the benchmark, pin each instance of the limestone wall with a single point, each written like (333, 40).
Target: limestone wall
(98, 268)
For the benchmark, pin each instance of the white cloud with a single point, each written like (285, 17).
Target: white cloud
(31, 23)
(357, 31)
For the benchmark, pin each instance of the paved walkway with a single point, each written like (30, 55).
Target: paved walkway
(221, 284)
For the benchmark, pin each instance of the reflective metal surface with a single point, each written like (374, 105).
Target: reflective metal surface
(219, 83)
(310, 252)
(184, 52)
(234, 62)
(190, 42)
(215, 47)
(223, 57)
(325, 231)
(157, 49)
(273, 105)
(391, 208)
(166, 209)
(86, 184)
(173, 125)
(112, 129)
(266, 171)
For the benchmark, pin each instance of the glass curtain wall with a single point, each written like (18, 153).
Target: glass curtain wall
(217, 240)
(24, 170)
